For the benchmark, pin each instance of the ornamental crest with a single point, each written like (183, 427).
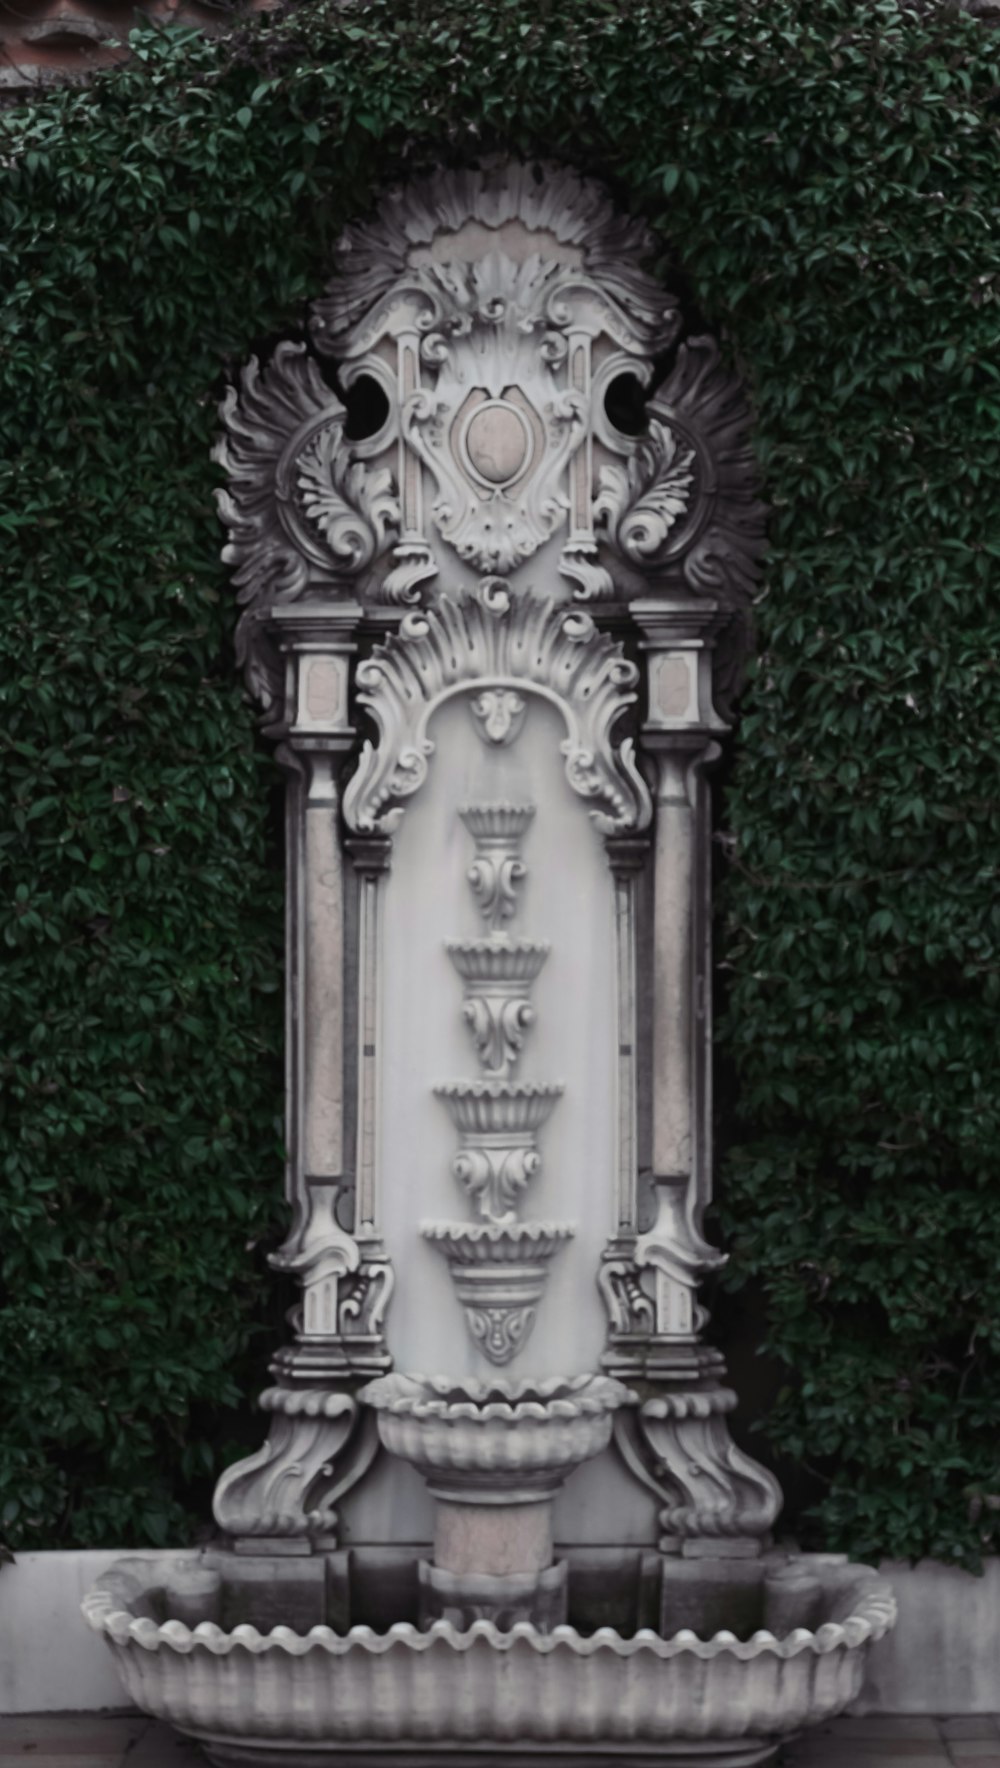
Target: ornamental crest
(478, 399)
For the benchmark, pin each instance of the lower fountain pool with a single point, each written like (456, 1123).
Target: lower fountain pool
(321, 1697)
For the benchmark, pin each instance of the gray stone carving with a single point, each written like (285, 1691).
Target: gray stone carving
(287, 1489)
(498, 1009)
(303, 514)
(499, 1270)
(498, 1264)
(496, 288)
(679, 1446)
(494, 877)
(494, 311)
(677, 1442)
(427, 534)
(442, 1690)
(463, 646)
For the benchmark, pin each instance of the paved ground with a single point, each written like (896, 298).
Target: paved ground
(96, 1742)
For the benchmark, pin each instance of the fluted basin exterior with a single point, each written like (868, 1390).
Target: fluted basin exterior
(442, 1689)
(498, 1107)
(527, 1432)
(497, 1243)
(503, 822)
(498, 962)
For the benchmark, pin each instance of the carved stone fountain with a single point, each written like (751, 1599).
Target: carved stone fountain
(499, 1511)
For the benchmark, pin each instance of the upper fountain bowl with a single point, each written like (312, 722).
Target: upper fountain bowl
(495, 1441)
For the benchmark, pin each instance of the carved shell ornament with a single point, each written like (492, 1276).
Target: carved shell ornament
(486, 316)
(464, 647)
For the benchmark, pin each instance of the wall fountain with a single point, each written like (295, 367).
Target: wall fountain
(499, 1512)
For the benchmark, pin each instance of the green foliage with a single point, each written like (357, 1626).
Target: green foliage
(826, 175)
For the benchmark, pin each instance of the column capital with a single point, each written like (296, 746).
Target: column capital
(370, 854)
(669, 622)
(678, 638)
(627, 854)
(317, 641)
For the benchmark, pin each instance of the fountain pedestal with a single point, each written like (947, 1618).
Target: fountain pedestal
(494, 1454)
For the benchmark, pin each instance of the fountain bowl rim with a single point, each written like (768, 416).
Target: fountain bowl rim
(873, 1615)
(481, 1400)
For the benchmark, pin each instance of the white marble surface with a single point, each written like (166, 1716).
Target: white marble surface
(567, 900)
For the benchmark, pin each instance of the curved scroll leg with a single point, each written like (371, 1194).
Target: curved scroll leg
(319, 1445)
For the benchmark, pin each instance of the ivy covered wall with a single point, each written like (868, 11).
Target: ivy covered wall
(825, 177)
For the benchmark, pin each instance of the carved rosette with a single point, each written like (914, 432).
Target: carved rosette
(498, 1264)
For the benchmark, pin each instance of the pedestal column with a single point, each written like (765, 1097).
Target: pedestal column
(715, 1499)
(280, 1500)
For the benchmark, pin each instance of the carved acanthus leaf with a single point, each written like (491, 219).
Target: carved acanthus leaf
(494, 1178)
(494, 878)
(355, 510)
(499, 1024)
(459, 647)
(643, 502)
(300, 512)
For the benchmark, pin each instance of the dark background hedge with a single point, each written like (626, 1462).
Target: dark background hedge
(827, 177)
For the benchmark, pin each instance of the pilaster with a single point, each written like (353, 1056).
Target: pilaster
(714, 1498)
(319, 1442)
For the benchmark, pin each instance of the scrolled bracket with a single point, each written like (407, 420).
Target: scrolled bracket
(678, 1445)
(319, 1445)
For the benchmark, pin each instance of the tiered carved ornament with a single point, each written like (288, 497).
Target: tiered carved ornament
(445, 510)
(498, 1264)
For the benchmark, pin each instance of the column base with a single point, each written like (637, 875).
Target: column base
(465, 1597)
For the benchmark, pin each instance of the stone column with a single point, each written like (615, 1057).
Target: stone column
(717, 1500)
(280, 1499)
(631, 1311)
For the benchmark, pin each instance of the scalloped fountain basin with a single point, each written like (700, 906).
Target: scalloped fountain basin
(328, 1698)
(488, 1433)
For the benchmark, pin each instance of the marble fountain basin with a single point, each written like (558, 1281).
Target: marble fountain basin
(507, 1440)
(403, 1695)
